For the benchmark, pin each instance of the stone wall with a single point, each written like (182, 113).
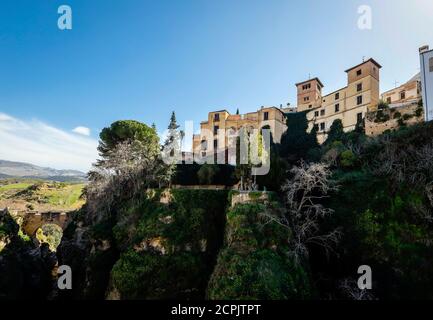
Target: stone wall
(249, 197)
(376, 122)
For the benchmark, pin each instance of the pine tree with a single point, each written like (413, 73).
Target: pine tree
(174, 136)
(336, 132)
(172, 145)
(297, 143)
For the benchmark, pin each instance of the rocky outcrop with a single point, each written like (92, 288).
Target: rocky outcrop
(25, 269)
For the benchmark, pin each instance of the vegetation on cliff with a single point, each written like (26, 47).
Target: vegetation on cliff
(352, 201)
(254, 263)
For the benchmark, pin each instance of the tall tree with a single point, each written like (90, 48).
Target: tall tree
(172, 145)
(297, 143)
(125, 131)
(336, 132)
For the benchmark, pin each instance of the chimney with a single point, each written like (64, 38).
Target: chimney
(424, 49)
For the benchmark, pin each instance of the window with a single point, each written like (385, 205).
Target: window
(337, 96)
(403, 95)
(322, 126)
(431, 64)
(359, 72)
(388, 100)
(203, 154)
(215, 143)
(217, 117)
(316, 113)
(359, 87)
(359, 117)
(215, 129)
(306, 86)
(359, 100)
(316, 127)
(307, 99)
(310, 106)
(337, 107)
(203, 144)
(322, 112)
(318, 87)
(266, 116)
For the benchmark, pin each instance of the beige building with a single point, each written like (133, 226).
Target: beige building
(350, 104)
(216, 133)
(406, 93)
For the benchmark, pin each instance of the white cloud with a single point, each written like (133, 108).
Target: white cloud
(41, 144)
(82, 130)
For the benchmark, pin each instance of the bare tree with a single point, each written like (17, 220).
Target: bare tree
(303, 212)
(131, 167)
(350, 289)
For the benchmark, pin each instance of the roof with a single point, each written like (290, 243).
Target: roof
(416, 77)
(224, 110)
(317, 79)
(426, 51)
(271, 107)
(333, 92)
(369, 60)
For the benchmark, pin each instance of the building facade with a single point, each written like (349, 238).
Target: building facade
(410, 92)
(221, 128)
(426, 57)
(349, 104)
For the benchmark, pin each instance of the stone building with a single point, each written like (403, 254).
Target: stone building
(217, 132)
(407, 93)
(350, 104)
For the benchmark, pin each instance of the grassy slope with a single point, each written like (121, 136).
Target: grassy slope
(50, 196)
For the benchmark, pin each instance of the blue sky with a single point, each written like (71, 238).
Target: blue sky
(139, 59)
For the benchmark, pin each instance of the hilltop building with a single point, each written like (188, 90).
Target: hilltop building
(350, 104)
(408, 93)
(222, 123)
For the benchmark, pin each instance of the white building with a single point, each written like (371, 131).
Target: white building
(426, 57)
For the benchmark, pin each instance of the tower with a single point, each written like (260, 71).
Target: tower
(309, 94)
(363, 85)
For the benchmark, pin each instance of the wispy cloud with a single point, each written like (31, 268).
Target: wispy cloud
(41, 144)
(82, 130)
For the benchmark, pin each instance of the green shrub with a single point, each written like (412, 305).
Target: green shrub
(347, 159)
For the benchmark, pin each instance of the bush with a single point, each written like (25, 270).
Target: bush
(186, 235)
(407, 116)
(347, 159)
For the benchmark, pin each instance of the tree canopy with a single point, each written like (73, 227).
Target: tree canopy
(126, 130)
(296, 142)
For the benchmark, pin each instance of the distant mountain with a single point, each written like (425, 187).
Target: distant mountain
(10, 169)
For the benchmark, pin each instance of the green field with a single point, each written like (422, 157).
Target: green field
(67, 196)
(14, 186)
(40, 195)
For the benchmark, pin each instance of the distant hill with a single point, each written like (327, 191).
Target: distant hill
(11, 169)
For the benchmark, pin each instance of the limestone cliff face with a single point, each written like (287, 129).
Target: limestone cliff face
(166, 246)
(25, 269)
(254, 264)
(90, 259)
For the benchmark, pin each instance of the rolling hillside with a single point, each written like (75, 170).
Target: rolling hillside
(11, 169)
